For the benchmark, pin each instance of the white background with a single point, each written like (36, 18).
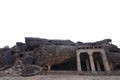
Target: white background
(77, 20)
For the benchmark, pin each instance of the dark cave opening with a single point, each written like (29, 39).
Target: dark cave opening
(98, 62)
(69, 65)
(117, 67)
(85, 62)
(21, 55)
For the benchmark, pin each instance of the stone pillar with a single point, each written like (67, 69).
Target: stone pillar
(78, 61)
(111, 66)
(105, 61)
(87, 64)
(92, 62)
(49, 67)
(98, 66)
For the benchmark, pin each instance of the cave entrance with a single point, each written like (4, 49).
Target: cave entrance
(69, 65)
(117, 66)
(98, 61)
(85, 61)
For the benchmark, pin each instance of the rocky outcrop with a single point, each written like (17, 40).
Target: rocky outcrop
(42, 52)
(7, 58)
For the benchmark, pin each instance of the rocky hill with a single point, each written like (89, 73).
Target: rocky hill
(44, 52)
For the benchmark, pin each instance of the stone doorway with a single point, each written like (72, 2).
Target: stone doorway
(85, 61)
(98, 61)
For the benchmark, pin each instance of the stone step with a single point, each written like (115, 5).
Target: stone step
(62, 77)
(116, 73)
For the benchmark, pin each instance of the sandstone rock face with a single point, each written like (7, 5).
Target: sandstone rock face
(52, 54)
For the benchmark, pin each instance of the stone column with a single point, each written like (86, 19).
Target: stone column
(111, 66)
(78, 61)
(49, 67)
(105, 61)
(87, 64)
(92, 62)
(98, 66)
